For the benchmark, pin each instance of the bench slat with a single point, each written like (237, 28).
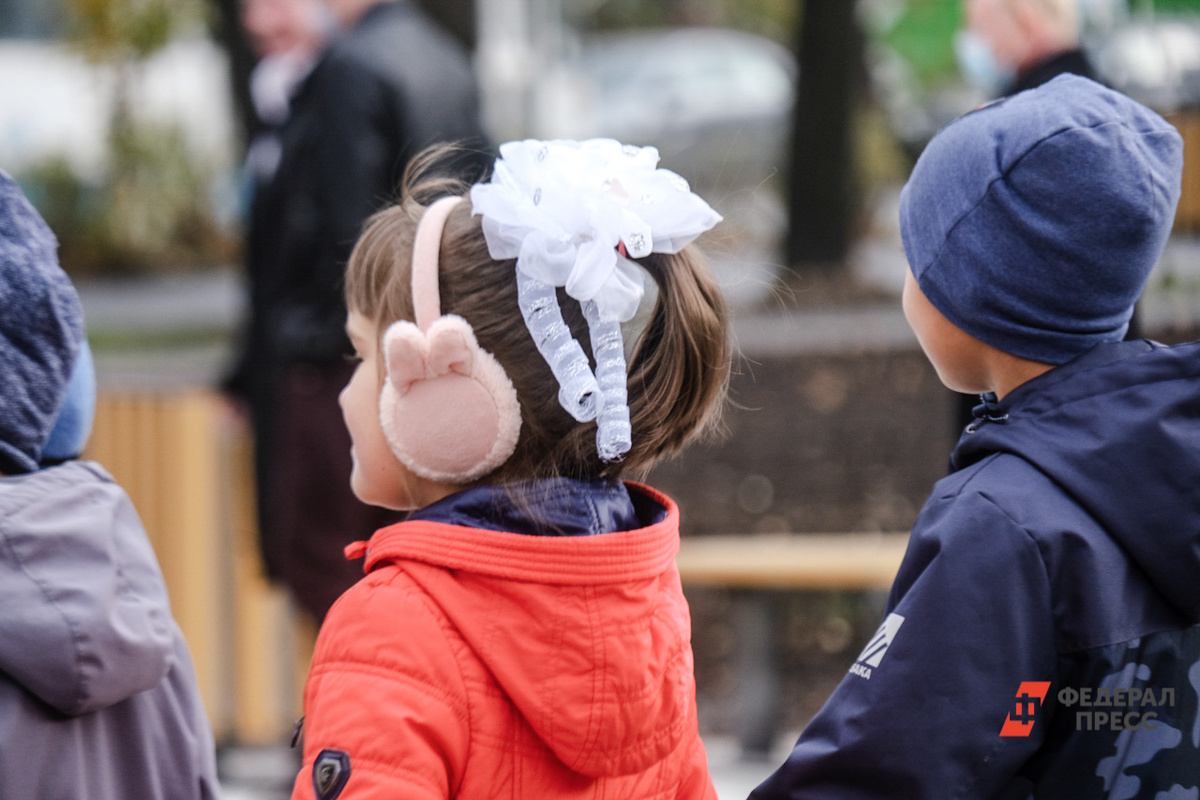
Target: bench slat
(793, 561)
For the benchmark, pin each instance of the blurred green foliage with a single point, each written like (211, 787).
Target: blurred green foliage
(1171, 6)
(922, 32)
(121, 30)
(923, 36)
(152, 208)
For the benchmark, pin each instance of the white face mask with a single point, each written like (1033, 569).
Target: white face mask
(979, 65)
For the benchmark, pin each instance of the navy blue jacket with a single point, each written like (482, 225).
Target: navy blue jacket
(1063, 547)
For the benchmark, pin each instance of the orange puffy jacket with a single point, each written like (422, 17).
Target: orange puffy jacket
(473, 663)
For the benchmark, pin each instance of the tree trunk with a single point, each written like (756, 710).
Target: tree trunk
(821, 178)
(227, 29)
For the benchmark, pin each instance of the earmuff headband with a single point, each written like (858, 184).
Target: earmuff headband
(448, 410)
(426, 245)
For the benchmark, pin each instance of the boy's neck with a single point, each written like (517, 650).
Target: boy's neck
(1006, 372)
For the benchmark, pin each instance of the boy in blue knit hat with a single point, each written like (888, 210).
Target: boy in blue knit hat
(1041, 639)
(97, 694)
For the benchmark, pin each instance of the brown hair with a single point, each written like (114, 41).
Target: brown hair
(678, 373)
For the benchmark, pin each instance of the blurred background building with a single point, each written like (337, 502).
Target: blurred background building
(125, 120)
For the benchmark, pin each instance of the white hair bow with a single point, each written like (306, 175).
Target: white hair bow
(573, 214)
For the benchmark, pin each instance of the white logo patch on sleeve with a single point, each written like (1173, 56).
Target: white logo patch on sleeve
(877, 648)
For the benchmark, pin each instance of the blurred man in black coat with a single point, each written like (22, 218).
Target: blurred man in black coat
(389, 84)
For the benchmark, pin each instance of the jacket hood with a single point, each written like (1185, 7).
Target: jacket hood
(84, 615)
(41, 326)
(1118, 429)
(588, 635)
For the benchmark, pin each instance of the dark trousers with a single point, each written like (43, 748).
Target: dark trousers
(307, 513)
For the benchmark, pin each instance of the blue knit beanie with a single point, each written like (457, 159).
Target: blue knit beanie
(41, 326)
(1033, 223)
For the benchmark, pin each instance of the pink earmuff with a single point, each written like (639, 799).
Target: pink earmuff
(448, 409)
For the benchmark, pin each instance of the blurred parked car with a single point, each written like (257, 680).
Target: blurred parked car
(715, 102)
(1155, 62)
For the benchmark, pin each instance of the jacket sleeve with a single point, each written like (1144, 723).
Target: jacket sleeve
(920, 713)
(385, 699)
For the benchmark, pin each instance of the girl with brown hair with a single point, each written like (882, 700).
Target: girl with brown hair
(523, 634)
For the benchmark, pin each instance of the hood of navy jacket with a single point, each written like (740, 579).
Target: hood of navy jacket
(84, 617)
(1118, 430)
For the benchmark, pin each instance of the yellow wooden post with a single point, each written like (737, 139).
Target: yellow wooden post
(1187, 216)
(1191, 170)
(188, 509)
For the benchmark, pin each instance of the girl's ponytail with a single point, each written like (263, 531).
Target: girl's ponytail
(679, 372)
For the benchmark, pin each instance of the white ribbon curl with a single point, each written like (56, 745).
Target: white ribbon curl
(561, 209)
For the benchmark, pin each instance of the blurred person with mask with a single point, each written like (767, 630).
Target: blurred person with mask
(388, 84)
(1009, 46)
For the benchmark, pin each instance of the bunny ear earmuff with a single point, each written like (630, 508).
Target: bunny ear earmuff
(448, 409)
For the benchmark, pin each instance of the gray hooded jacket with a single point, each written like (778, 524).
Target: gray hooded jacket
(98, 697)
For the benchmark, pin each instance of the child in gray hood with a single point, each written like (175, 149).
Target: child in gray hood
(98, 698)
